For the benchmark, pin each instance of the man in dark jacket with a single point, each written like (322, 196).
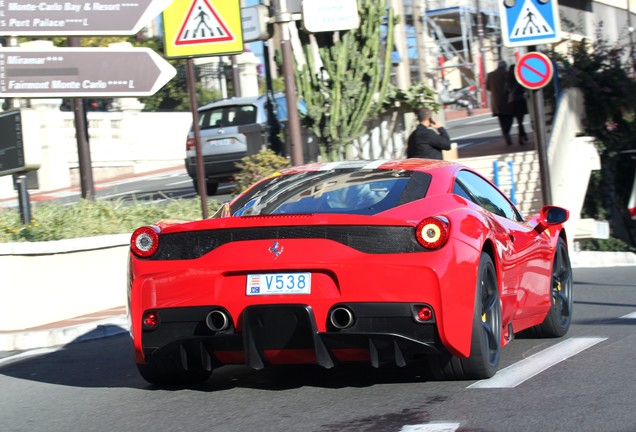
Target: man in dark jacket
(496, 85)
(428, 139)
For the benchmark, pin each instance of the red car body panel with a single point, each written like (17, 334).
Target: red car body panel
(444, 278)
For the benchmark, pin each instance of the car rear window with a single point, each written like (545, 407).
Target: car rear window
(364, 192)
(227, 116)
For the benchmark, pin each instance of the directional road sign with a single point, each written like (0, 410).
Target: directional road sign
(330, 15)
(534, 70)
(255, 23)
(77, 18)
(529, 22)
(202, 28)
(82, 72)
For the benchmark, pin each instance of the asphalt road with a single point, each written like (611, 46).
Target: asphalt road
(582, 382)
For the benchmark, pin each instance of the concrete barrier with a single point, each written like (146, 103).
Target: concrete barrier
(47, 282)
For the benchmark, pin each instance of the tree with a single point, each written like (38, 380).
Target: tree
(345, 77)
(609, 87)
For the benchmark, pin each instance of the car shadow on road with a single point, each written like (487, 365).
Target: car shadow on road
(108, 363)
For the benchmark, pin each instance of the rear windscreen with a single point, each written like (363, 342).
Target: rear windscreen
(227, 116)
(364, 192)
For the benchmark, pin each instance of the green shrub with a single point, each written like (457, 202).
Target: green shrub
(255, 167)
(605, 245)
(54, 221)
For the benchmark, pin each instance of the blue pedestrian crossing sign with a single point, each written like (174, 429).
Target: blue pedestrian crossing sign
(529, 22)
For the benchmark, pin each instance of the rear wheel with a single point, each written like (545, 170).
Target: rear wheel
(557, 322)
(485, 344)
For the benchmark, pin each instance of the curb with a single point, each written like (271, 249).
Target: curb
(22, 341)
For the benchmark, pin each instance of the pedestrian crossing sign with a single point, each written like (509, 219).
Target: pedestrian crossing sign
(529, 22)
(202, 28)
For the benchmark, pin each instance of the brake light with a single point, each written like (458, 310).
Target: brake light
(151, 319)
(190, 143)
(432, 232)
(144, 242)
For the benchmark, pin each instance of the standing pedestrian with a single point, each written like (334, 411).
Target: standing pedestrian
(428, 139)
(496, 85)
(517, 102)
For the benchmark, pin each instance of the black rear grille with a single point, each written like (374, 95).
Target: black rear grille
(367, 239)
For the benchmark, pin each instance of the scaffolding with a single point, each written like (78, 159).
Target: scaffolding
(453, 39)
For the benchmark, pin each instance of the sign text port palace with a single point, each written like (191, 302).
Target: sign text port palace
(77, 18)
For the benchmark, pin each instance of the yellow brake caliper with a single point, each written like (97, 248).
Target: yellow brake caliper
(558, 289)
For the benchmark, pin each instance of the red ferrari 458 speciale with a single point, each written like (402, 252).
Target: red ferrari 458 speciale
(384, 262)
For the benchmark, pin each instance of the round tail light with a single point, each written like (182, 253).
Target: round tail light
(432, 232)
(144, 242)
(151, 319)
(425, 313)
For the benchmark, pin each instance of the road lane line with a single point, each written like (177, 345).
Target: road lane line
(431, 427)
(629, 316)
(120, 194)
(180, 182)
(527, 368)
(475, 134)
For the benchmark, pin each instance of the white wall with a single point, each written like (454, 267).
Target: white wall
(122, 142)
(52, 281)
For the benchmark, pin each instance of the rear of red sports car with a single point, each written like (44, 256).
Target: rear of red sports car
(322, 264)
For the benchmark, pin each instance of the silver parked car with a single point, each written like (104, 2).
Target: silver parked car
(230, 129)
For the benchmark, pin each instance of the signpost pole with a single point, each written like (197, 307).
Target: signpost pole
(201, 183)
(540, 137)
(23, 198)
(83, 146)
(293, 122)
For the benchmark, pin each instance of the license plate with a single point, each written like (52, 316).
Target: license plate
(278, 283)
(220, 142)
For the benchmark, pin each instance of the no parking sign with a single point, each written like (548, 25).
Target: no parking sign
(534, 70)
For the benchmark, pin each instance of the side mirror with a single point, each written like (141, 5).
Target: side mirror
(551, 215)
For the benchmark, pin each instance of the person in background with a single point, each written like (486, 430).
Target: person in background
(428, 139)
(517, 102)
(496, 85)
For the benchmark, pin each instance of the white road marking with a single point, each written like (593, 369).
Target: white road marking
(431, 427)
(529, 367)
(629, 316)
(474, 134)
(120, 194)
(486, 116)
(188, 181)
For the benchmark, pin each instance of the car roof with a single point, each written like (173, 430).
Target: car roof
(413, 164)
(245, 100)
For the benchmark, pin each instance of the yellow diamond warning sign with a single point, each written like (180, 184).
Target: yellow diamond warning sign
(202, 28)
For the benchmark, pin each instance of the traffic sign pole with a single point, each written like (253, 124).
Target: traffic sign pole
(87, 183)
(540, 136)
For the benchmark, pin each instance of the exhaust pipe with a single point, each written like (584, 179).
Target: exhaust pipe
(341, 318)
(217, 320)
